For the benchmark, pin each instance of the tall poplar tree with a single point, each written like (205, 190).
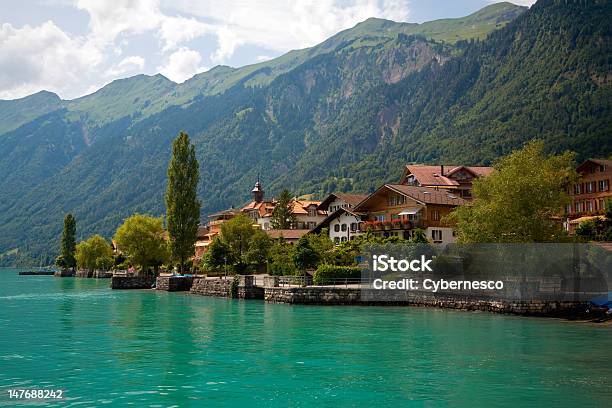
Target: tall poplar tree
(282, 216)
(68, 245)
(182, 204)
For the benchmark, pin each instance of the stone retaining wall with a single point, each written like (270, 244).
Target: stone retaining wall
(220, 287)
(211, 287)
(132, 282)
(312, 295)
(353, 296)
(174, 283)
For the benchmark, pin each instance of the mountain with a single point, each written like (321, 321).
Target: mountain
(343, 115)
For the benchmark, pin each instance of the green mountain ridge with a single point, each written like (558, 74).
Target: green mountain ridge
(344, 115)
(144, 95)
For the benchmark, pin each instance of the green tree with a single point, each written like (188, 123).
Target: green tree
(68, 244)
(259, 248)
(418, 236)
(520, 201)
(304, 255)
(141, 240)
(587, 230)
(94, 253)
(281, 259)
(217, 256)
(237, 233)
(282, 216)
(182, 204)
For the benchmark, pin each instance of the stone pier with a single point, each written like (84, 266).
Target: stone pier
(220, 287)
(132, 282)
(174, 283)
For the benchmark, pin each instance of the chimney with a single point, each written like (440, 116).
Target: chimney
(441, 169)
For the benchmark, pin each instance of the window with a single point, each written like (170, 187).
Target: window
(568, 208)
(343, 239)
(396, 199)
(336, 240)
(312, 211)
(577, 207)
(604, 185)
(590, 187)
(435, 215)
(343, 227)
(380, 217)
(337, 227)
(436, 235)
(577, 189)
(602, 205)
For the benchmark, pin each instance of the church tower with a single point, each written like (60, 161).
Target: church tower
(257, 193)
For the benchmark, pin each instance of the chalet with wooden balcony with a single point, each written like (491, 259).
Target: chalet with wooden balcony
(399, 209)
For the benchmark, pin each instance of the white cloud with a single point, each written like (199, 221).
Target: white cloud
(177, 30)
(127, 65)
(109, 19)
(262, 58)
(282, 26)
(43, 57)
(182, 65)
(46, 57)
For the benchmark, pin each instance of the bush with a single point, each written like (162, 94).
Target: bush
(326, 273)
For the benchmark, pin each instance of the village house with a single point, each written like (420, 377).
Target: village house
(590, 193)
(456, 180)
(207, 232)
(306, 212)
(342, 221)
(399, 209)
(258, 209)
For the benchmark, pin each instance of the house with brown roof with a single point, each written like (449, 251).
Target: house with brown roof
(342, 221)
(290, 236)
(211, 229)
(399, 209)
(457, 180)
(590, 193)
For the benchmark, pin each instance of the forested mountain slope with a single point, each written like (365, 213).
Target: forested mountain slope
(344, 115)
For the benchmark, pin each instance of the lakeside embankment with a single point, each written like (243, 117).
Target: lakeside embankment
(270, 290)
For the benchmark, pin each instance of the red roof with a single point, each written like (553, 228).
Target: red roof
(428, 175)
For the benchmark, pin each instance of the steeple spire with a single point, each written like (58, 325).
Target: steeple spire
(257, 193)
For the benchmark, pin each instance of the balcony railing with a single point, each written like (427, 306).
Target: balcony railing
(390, 225)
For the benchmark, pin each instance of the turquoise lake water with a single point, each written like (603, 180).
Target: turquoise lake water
(148, 348)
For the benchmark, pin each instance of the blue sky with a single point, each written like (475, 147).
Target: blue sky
(73, 47)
